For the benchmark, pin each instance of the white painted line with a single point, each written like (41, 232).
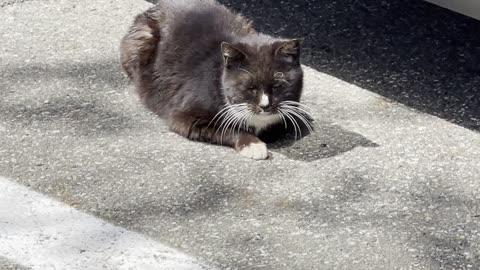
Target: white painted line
(41, 233)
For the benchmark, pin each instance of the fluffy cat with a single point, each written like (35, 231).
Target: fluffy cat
(212, 77)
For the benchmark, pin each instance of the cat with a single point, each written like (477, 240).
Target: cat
(212, 77)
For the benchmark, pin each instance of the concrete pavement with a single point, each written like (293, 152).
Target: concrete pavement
(378, 186)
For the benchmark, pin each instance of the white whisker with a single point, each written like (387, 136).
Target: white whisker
(222, 117)
(283, 119)
(248, 119)
(289, 102)
(302, 118)
(222, 112)
(225, 117)
(297, 124)
(238, 121)
(294, 122)
(222, 124)
(243, 120)
(297, 108)
(228, 122)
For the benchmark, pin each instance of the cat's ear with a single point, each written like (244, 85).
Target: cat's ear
(231, 54)
(290, 48)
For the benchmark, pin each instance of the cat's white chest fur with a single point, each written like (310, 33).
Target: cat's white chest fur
(262, 121)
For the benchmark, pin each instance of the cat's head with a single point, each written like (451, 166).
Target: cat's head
(262, 78)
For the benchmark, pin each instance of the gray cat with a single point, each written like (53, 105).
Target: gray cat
(212, 77)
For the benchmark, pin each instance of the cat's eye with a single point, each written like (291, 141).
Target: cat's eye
(252, 88)
(277, 85)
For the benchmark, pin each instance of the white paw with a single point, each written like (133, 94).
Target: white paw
(255, 151)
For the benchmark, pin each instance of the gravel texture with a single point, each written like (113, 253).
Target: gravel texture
(6, 264)
(4, 3)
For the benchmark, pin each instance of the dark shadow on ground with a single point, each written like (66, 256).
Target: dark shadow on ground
(208, 198)
(83, 117)
(410, 51)
(327, 140)
(81, 75)
(83, 109)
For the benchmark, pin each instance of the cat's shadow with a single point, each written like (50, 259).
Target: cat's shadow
(327, 140)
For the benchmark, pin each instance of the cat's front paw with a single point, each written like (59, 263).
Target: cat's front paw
(255, 150)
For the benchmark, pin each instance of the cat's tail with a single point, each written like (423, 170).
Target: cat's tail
(138, 46)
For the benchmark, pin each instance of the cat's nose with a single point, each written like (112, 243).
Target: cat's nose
(264, 102)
